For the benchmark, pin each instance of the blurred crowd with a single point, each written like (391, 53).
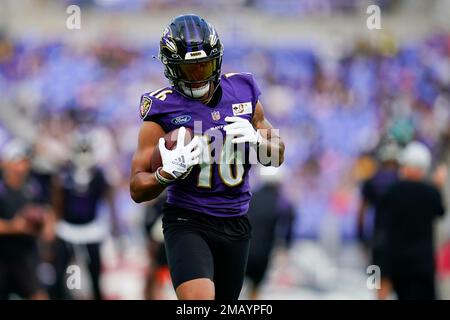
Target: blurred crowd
(284, 7)
(333, 112)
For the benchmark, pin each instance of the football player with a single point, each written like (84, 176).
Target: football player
(24, 218)
(205, 226)
(78, 189)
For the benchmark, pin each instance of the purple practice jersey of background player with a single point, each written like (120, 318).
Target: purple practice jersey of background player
(218, 194)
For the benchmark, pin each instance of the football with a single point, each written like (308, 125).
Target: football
(171, 143)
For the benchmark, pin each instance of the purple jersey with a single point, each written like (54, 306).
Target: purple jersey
(217, 189)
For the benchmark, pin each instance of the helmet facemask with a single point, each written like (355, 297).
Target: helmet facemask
(196, 79)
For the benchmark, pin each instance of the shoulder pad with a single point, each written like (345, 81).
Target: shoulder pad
(246, 79)
(152, 103)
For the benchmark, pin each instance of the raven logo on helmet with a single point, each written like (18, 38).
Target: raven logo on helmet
(213, 37)
(168, 41)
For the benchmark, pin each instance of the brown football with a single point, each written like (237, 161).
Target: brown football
(171, 143)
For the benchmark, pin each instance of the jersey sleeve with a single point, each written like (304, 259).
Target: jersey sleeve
(150, 109)
(254, 87)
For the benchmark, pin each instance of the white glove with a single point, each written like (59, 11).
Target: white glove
(178, 161)
(243, 129)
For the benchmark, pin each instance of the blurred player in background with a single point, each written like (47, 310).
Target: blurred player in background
(372, 192)
(272, 219)
(23, 218)
(78, 191)
(206, 230)
(411, 207)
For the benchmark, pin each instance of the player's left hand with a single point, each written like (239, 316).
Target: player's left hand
(243, 129)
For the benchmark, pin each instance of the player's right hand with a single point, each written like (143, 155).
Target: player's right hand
(178, 161)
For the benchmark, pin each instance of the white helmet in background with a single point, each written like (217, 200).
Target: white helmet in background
(416, 155)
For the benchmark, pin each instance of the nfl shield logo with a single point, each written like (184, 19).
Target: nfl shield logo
(215, 115)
